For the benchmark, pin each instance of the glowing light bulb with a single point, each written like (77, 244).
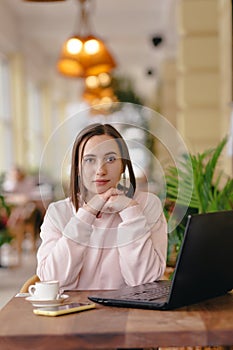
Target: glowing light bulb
(92, 82)
(106, 99)
(74, 46)
(104, 79)
(91, 46)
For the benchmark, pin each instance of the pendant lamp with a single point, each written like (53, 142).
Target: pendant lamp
(43, 0)
(84, 54)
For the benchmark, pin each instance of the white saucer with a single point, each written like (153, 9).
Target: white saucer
(43, 303)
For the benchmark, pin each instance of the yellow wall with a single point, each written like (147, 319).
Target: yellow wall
(203, 74)
(19, 115)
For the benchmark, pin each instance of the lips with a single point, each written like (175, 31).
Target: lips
(101, 182)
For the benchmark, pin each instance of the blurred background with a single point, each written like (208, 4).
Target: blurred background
(160, 70)
(172, 56)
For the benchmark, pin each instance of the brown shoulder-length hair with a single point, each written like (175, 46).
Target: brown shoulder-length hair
(76, 187)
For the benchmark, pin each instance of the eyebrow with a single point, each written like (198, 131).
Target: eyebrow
(94, 155)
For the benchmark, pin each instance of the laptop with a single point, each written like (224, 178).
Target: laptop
(203, 269)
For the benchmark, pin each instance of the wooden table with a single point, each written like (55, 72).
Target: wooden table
(206, 324)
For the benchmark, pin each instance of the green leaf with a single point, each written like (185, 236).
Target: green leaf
(198, 184)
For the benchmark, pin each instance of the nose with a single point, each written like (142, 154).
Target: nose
(101, 168)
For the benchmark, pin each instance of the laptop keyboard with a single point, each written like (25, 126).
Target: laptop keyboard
(150, 294)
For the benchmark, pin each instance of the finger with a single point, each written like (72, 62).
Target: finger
(106, 195)
(111, 192)
(95, 204)
(116, 204)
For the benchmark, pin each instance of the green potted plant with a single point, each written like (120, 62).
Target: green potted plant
(5, 236)
(4, 214)
(204, 189)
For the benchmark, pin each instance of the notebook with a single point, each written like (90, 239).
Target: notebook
(203, 269)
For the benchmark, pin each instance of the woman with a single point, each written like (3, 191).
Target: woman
(105, 235)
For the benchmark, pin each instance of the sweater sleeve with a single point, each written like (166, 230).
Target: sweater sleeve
(142, 242)
(61, 253)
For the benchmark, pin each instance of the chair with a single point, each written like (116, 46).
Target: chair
(32, 280)
(24, 219)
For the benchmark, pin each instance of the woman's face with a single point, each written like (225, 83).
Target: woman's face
(101, 164)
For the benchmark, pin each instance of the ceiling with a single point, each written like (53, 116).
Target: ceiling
(126, 26)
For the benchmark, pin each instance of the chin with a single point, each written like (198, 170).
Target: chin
(102, 189)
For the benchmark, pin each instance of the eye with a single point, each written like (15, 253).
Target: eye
(89, 160)
(110, 159)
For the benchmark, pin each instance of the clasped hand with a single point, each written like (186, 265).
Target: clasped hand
(111, 201)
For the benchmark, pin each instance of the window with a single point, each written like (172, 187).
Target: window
(34, 126)
(6, 125)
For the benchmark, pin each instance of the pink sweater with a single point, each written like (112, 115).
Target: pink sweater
(85, 252)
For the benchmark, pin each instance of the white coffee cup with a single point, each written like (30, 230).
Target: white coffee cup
(44, 290)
